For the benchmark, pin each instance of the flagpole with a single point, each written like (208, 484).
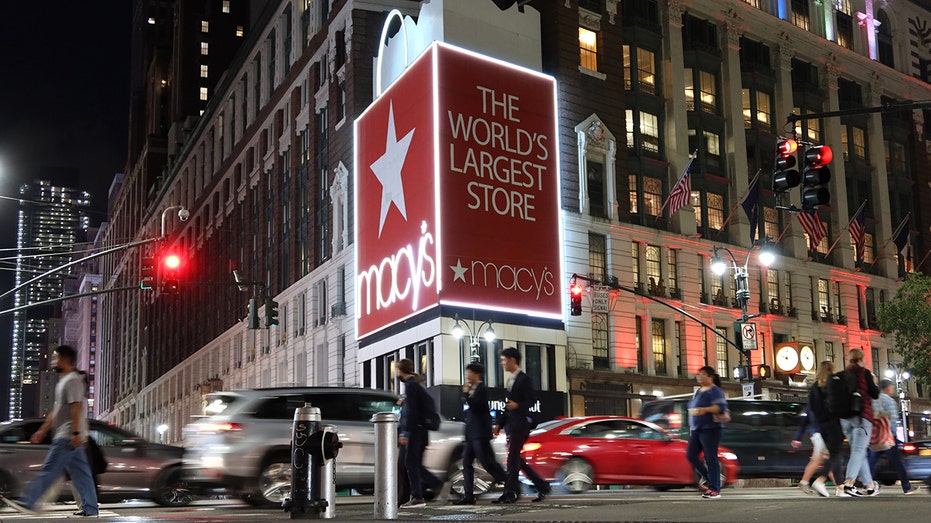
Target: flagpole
(923, 260)
(889, 239)
(741, 199)
(846, 228)
(784, 231)
(685, 172)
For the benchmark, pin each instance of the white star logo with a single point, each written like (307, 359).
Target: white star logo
(459, 271)
(388, 171)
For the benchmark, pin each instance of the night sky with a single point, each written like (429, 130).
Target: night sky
(64, 96)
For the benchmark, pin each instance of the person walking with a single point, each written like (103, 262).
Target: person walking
(414, 436)
(827, 438)
(705, 433)
(858, 429)
(517, 423)
(69, 421)
(886, 404)
(478, 430)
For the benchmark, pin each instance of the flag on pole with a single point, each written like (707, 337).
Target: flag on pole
(902, 241)
(813, 226)
(857, 230)
(750, 205)
(681, 193)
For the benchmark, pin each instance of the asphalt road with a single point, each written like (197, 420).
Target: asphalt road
(764, 505)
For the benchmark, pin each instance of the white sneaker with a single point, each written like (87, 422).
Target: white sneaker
(818, 486)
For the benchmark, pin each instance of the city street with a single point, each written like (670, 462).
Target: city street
(763, 505)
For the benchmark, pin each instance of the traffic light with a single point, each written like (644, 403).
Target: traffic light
(816, 176)
(170, 269)
(765, 372)
(785, 176)
(271, 312)
(147, 273)
(575, 298)
(252, 322)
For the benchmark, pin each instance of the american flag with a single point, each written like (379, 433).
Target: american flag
(814, 227)
(857, 230)
(681, 193)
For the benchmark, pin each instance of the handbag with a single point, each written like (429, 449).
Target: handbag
(881, 439)
(95, 457)
(723, 417)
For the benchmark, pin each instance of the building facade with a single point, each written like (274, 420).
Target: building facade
(267, 174)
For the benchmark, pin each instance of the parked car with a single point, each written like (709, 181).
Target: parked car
(242, 443)
(917, 458)
(137, 468)
(582, 452)
(760, 433)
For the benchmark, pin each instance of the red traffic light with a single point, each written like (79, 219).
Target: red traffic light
(819, 155)
(575, 289)
(172, 261)
(786, 147)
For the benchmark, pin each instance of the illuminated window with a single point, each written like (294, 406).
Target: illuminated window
(646, 68)
(203, 70)
(239, 30)
(226, 6)
(764, 108)
(800, 14)
(771, 222)
(689, 89)
(652, 196)
(649, 132)
(597, 256)
(695, 200)
(708, 92)
(859, 142)
(632, 183)
(635, 261)
(672, 268)
(588, 48)
(151, 20)
(747, 109)
(204, 26)
(204, 48)
(715, 211)
(653, 265)
(203, 93)
(658, 343)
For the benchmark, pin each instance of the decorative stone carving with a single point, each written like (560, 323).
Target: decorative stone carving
(876, 89)
(596, 134)
(611, 8)
(673, 13)
(589, 20)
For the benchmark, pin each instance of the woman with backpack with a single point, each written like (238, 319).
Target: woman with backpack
(858, 427)
(827, 436)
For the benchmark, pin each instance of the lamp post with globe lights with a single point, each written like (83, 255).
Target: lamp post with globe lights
(462, 328)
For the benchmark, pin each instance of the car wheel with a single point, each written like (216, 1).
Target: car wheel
(274, 481)
(576, 475)
(171, 490)
(483, 482)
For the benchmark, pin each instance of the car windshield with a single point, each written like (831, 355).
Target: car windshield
(217, 403)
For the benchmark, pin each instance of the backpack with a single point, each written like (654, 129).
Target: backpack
(843, 398)
(432, 421)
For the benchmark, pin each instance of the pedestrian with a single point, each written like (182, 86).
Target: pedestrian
(414, 435)
(827, 438)
(886, 404)
(705, 433)
(858, 429)
(478, 430)
(69, 421)
(517, 423)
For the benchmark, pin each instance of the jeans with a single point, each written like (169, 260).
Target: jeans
(417, 474)
(707, 441)
(64, 457)
(895, 459)
(858, 431)
(516, 465)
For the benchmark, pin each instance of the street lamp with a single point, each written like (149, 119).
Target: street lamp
(900, 378)
(741, 284)
(162, 429)
(461, 328)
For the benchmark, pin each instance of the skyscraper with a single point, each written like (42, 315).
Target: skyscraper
(52, 219)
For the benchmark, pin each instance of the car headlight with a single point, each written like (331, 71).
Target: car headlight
(730, 456)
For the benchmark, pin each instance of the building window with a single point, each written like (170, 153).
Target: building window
(643, 132)
(658, 343)
(633, 183)
(226, 6)
(708, 89)
(715, 211)
(239, 31)
(844, 24)
(800, 14)
(858, 135)
(597, 169)
(588, 48)
(597, 257)
(824, 303)
(652, 196)
(672, 271)
(829, 351)
(771, 222)
(600, 360)
(204, 26)
(772, 291)
(654, 278)
(635, 262)
(203, 93)
(722, 362)
(639, 70)
(204, 48)
(884, 40)
(204, 70)
(596, 190)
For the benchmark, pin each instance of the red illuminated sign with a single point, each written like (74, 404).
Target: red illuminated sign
(457, 191)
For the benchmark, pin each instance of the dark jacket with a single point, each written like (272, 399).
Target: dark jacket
(477, 416)
(415, 409)
(523, 393)
(867, 389)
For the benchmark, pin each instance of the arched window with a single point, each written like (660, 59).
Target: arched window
(884, 40)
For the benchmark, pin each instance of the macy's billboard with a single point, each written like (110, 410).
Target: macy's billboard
(457, 191)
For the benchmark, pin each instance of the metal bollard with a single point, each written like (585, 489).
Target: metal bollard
(386, 465)
(305, 502)
(329, 470)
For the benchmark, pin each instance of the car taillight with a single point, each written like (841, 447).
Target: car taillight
(909, 448)
(219, 427)
(530, 446)
(675, 421)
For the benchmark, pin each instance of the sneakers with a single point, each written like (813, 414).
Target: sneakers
(702, 485)
(414, 503)
(805, 487)
(913, 490)
(848, 491)
(818, 486)
(711, 494)
(873, 491)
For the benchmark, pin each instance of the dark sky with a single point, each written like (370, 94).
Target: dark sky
(64, 94)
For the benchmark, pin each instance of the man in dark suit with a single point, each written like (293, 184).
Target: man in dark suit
(517, 422)
(477, 433)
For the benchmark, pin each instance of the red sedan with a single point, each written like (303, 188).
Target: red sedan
(614, 450)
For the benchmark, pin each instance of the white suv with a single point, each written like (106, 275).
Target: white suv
(242, 444)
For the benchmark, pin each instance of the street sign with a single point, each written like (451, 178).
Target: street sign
(747, 389)
(747, 334)
(601, 300)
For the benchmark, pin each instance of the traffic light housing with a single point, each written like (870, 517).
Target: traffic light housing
(575, 298)
(170, 269)
(785, 176)
(765, 372)
(271, 312)
(252, 321)
(147, 273)
(816, 176)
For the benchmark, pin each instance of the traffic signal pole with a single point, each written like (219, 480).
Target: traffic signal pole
(887, 108)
